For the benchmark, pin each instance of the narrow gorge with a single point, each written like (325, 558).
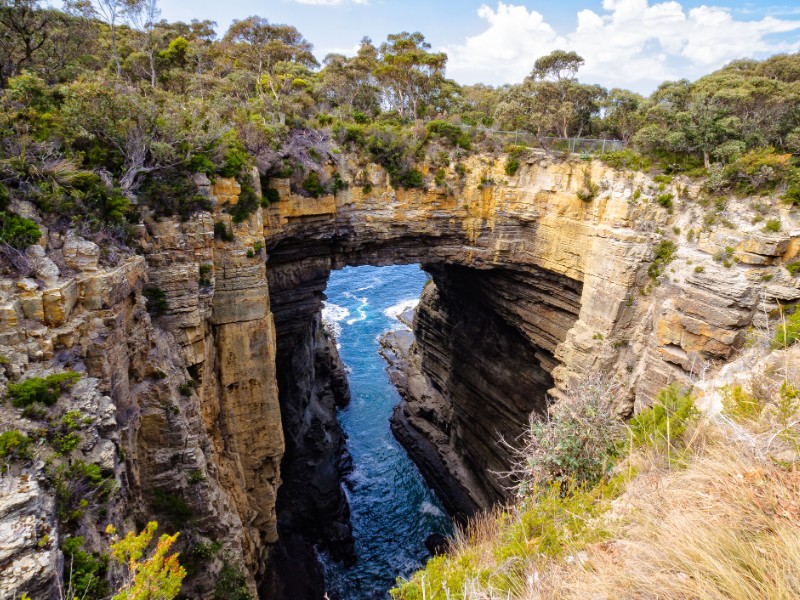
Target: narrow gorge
(226, 397)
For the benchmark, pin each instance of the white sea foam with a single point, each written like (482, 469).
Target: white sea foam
(394, 311)
(427, 508)
(332, 315)
(362, 312)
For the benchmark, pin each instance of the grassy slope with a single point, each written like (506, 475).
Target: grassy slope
(715, 514)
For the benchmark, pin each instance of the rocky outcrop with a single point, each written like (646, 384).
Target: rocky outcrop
(533, 287)
(210, 379)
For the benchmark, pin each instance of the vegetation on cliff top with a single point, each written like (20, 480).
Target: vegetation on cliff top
(101, 109)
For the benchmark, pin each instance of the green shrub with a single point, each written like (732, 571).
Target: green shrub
(247, 204)
(157, 303)
(222, 232)
(576, 444)
(512, 166)
(65, 438)
(664, 253)
(662, 425)
(173, 506)
(772, 226)
(452, 134)
(761, 168)
(440, 177)
(794, 268)
(337, 183)
(65, 443)
(185, 389)
(627, 159)
(173, 193)
(195, 477)
(270, 195)
(78, 487)
(410, 178)
(5, 197)
(313, 186)
(15, 444)
(234, 157)
(391, 148)
(664, 200)
(84, 572)
(204, 272)
(18, 232)
(232, 584)
(787, 333)
(350, 133)
(589, 190)
(792, 195)
(46, 390)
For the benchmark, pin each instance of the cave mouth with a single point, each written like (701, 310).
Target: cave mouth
(392, 509)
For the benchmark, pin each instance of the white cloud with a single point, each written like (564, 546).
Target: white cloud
(330, 2)
(630, 43)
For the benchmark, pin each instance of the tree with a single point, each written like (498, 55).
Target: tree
(25, 29)
(147, 132)
(623, 113)
(410, 74)
(156, 577)
(143, 15)
(558, 66)
(111, 11)
(264, 49)
(349, 84)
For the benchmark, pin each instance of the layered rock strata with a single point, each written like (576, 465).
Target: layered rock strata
(231, 386)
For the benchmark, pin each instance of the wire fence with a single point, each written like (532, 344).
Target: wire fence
(574, 145)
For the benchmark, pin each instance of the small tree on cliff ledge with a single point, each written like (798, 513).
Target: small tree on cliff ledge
(157, 577)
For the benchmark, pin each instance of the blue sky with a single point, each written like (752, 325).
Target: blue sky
(626, 43)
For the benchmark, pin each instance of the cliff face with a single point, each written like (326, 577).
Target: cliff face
(183, 405)
(227, 399)
(533, 287)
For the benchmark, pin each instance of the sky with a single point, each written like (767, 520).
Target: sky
(634, 44)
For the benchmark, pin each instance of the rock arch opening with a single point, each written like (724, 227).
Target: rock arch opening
(482, 362)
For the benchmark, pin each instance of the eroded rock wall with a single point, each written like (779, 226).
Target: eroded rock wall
(532, 288)
(565, 282)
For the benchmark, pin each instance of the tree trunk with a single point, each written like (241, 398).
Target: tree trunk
(114, 49)
(706, 159)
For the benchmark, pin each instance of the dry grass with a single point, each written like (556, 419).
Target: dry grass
(718, 520)
(728, 526)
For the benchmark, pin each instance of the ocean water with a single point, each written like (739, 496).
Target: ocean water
(393, 511)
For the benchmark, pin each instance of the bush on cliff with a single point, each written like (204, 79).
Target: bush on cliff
(575, 443)
(18, 232)
(568, 477)
(46, 390)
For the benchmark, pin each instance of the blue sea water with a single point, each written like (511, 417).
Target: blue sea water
(393, 511)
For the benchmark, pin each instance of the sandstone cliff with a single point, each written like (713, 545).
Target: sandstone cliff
(226, 398)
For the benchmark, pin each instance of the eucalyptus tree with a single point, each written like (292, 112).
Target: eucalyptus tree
(348, 83)
(111, 12)
(271, 54)
(410, 74)
(25, 30)
(143, 15)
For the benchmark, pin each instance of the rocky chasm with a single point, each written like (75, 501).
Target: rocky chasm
(531, 288)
